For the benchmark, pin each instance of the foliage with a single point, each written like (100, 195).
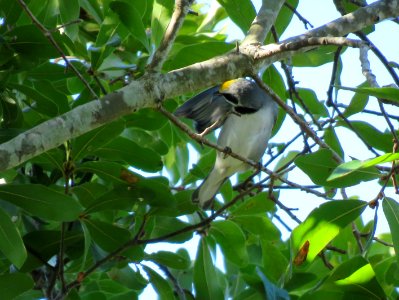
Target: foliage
(76, 220)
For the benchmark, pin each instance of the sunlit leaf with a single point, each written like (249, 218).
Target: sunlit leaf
(323, 224)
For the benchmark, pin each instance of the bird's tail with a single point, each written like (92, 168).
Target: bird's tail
(205, 193)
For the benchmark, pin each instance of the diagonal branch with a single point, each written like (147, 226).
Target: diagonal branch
(182, 8)
(262, 23)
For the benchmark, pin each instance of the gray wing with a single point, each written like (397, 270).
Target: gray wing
(205, 109)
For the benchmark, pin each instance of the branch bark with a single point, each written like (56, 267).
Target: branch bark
(151, 88)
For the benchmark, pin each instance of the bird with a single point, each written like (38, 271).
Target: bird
(246, 115)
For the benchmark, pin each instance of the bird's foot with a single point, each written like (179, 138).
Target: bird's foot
(227, 151)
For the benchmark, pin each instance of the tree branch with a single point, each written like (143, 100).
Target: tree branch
(182, 8)
(262, 23)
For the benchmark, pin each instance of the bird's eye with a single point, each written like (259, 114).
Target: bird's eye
(230, 98)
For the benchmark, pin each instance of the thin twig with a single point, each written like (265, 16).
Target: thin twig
(203, 141)
(297, 119)
(299, 16)
(48, 35)
(371, 79)
(371, 112)
(179, 291)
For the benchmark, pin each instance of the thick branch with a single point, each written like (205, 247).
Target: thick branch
(263, 22)
(151, 88)
(182, 8)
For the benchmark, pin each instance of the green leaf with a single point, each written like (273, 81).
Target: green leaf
(354, 278)
(43, 104)
(146, 139)
(372, 136)
(122, 198)
(41, 201)
(166, 225)
(310, 100)
(259, 225)
(357, 104)
(169, 259)
(12, 285)
(161, 13)
(320, 164)
(388, 93)
(47, 244)
(331, 138)
(271, 290)
(323, 224)
(241, 12)
(205, 283)
(69, 12)
(133, 154)
(131, 18)
(231, 239)
(315, 57)
(191, 54)
(256, 205)
(11, 244)
(128, 277)
(107, 236)
(109, 171)
(274, 263)
(91, 141)
(351, 166)
(391, 211)
(31, 44)
(147, 119)
(161, 286)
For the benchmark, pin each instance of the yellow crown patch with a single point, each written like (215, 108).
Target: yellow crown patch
(225, 85)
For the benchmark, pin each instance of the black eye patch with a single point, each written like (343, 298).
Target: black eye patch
(244, 110)
(230, 98)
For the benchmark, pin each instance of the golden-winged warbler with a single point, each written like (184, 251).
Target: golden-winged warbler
(246, 114)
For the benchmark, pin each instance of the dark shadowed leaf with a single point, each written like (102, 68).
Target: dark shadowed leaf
(391, 211)
(133, 154)
(11, 244)
(354, 279)
(91, 141)
(41, 201)
(12, 285)
(131, 18)
(271, 290)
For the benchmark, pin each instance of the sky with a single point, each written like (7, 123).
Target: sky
(319, 13)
